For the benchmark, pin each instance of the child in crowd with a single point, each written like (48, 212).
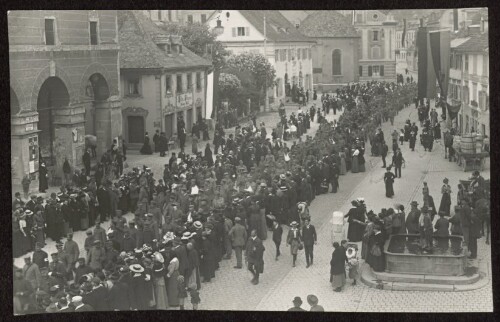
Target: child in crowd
(195, 297)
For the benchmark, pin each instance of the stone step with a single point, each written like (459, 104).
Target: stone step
(426, 279)
(369, 278)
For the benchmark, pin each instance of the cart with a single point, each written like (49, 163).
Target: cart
(471, 161)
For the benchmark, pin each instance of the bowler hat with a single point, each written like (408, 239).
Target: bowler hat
(297, 299)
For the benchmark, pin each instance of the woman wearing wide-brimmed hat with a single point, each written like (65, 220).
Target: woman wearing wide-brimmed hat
(159, 283)
(294, 240)
(445, 204)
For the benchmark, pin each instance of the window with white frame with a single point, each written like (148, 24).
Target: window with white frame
(168, 84)
(133, 86)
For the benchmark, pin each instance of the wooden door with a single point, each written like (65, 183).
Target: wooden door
(169, 125)
(135, 129)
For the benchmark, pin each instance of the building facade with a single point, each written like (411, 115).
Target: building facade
(335, 54)
(377, 51)
(469, 82)
(179, 16)
(63, 85)
(161, 80)
(288, 51)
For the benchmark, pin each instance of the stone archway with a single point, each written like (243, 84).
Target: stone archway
(15, 107)
(50, 71)
(97, 92)
(53, 94)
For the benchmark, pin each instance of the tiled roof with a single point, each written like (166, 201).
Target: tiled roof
(278, 28)
(139, 51)
(476, 43)
(327, 23)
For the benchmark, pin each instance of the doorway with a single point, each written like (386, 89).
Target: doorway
(135, 129)
(169, 125)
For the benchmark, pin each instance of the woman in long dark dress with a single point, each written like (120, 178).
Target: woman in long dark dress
(389, 180)
(146, 148)
(337, 267)
(375, 256)
(356, 220)
(361, 159)
(43, 178)
(207, 263)
(445, 204)
(208, 155)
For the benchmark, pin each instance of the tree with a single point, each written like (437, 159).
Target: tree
(263, 73)
(229, 85)
(201, 40)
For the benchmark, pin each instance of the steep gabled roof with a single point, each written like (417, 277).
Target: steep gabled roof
(278, 28)
(327, 23)
(139, 51)
(475, 43)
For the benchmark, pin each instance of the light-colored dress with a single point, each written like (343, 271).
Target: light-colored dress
(343, 168)
(172, 288)
(160, 292)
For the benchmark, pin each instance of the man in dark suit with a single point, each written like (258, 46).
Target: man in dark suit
(255, 256)
(397, 162)
(310, 239)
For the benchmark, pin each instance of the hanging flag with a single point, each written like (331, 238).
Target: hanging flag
(440, 51)
(453, 110)
(404, 34)
(426, 74)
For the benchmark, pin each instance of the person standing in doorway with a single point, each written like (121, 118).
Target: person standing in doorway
(310, 239)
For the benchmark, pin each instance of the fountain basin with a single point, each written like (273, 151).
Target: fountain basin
(403, 256)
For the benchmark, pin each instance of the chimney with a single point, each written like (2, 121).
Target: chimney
(473, 30)
(455, 20)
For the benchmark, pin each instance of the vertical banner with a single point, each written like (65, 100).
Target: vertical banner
(426, 74)
(440, 52)
(404, 34)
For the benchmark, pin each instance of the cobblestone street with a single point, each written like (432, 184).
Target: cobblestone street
(280, 283)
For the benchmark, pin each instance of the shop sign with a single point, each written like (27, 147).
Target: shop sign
(184, 100)
(31, 119)
(29, 127)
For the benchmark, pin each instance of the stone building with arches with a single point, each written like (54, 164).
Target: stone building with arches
(335, 55)
(64, 85)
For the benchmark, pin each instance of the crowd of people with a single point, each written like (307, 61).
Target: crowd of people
(204, 206)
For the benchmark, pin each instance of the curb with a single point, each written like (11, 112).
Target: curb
(369, 279)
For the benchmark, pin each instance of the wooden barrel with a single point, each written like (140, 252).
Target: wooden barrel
(467, 144)
(479, 143)
(456, 143)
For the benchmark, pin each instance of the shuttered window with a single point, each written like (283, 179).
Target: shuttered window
(93, 33)
(381, 70)
(369, 70)
(298, 54)
(50, 32)
(360, 70)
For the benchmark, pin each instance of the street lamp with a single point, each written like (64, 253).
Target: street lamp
(219, 29)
